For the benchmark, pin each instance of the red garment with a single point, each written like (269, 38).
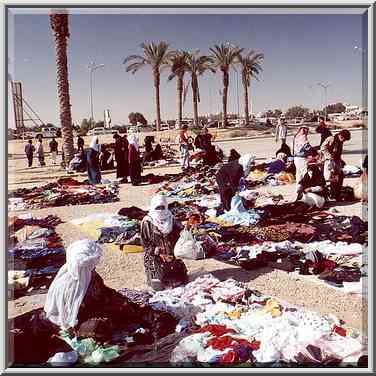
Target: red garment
(215, 330)
(183, 137)
(220, 343)
(134, 154)
(340, 331)
(252, 345)
(230, 357)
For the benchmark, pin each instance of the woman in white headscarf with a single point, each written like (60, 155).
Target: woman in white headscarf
(134, 159)
(93, 170)
(159, 233)
(229, 177)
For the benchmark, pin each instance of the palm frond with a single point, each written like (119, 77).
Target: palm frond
(132, 57)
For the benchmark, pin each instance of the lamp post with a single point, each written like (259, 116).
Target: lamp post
(92, 67)
(325, 87)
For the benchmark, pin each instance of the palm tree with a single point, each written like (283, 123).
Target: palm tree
(178, 64)
(250, 65)
(60, 28)
(197, 65)
(157, 56)
(224, 57)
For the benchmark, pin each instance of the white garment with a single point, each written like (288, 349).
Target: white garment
(246, 161)
(301, 165)
(313, 199)
(184, 151)
(133, 140)
(93, 144)
(53, 156)
(69, 287)
(40, 150)
(161, 218)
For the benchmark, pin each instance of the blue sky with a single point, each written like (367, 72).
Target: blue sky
(300, 50)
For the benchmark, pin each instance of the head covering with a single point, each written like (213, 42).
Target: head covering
(133, 140)
(93, 144)
(69, 287)
(163, 218)
(300, 138)
(234, 155)
(281, 156)
(246, 161)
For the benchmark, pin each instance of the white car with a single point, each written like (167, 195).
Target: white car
(96, 131)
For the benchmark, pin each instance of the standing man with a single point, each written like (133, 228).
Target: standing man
(331, 151)
(184, 147)
(53, 149)
(29, 151)
(281, 130)
(40, 153)
(80, 143)
(324, 130)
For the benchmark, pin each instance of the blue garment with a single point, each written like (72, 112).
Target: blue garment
(239, 215)
(93, 170)
(276, 166)
(304, 151)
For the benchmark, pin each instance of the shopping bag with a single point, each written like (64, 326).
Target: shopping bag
(187, 247)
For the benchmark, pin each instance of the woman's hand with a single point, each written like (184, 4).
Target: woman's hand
(308, 190)
(166, 258)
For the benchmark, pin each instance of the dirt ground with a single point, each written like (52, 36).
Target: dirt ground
(121, 270)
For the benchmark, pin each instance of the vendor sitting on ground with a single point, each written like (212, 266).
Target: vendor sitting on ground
(159, 233)
(157, 153)
(78, 163)
(80, 302)
(284, 149)
(290, 166)
(228, 178)
(312, 187)
(361, 188)
(106, 159)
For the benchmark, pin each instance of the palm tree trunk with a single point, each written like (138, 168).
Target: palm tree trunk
(195, 101)
(180, 100)
(246, 110)
(59, 24)
(157, 102)
(224, 97)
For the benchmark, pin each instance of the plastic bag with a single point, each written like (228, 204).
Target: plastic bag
(64, 358)
(188, 247)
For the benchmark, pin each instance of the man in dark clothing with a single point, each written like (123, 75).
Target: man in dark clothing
(53, 149)
(324, 131)
(29, 151)
(80, 143)
(228, 180)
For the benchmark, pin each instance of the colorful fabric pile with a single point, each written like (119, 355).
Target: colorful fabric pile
(234, 325)
(35, 255)
(66, 191)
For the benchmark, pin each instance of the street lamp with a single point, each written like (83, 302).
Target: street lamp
(92, 67)
(325, 87)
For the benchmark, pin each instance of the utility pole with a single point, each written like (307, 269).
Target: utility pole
(325, 87)
(92, 67)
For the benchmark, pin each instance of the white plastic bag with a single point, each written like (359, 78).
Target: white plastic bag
(187, 247)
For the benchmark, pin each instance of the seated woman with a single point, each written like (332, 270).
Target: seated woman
(157, 154)
(229, 176)
(290, 166)
(79, 302)
(312, 187)
(159, 233)
(106, 159)
(284, 149)
(78, 163)
(234, 155)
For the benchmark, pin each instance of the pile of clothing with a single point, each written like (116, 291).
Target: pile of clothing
(230, 324)
(35, 254)
(66, 191)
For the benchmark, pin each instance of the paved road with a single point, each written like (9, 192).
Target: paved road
(265, 148)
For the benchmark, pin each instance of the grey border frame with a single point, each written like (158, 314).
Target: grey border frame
(370, 10)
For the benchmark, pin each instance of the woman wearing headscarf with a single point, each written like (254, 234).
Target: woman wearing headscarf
(134, 160)
(93, 170)
(284, 149)
(312, 187)
(301, 150)
(121, 157)
(159, 233)
(234, 156)
(229, 176)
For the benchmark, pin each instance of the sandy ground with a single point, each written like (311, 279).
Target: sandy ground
(121, 270)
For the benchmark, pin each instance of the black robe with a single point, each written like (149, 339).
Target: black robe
(121, 157)
(228, 179)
